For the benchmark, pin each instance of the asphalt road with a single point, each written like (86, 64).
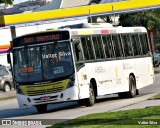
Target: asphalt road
(9, 108)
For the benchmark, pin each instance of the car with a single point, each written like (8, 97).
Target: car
(156, 59)
(6, 79)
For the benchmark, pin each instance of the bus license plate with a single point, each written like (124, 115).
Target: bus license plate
(45, 98)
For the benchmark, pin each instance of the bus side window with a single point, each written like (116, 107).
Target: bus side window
(126, 45)
(98, 47)
(144, 44)
(117, 45)
(136, 44)
(87, 48)
(83, 41)
(108, 47)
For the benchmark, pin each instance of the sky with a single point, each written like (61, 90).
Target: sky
(19, 1)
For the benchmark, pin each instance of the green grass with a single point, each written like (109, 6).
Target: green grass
(155, 97)
(120, 119)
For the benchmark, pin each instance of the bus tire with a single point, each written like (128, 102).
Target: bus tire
(42, 108)
(91, 100)
(132, 87)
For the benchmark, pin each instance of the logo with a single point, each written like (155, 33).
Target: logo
(44, 91)
(6, 122)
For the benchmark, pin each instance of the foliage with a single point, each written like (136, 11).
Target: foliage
(6, 2)
(149, 19)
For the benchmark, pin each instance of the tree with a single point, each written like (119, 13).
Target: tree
(6, 2)
(149, 19)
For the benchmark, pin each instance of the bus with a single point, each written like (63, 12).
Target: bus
(80, 63)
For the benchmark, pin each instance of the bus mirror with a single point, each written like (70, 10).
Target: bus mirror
(8, 58)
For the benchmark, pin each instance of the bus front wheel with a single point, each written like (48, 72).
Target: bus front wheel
(91, 100)
(42, 108)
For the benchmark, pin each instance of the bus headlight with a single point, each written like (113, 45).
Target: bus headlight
(71, 81)
(19, 91)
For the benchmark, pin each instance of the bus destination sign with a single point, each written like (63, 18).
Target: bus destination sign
(41, 38)
(38, 38)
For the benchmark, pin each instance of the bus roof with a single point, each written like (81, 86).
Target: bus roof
(102, 28)
(93, 28)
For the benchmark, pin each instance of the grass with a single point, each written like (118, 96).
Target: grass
(136, 118)
(155, 97)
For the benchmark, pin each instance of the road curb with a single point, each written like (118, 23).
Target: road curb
(156, 70)
(7, 95)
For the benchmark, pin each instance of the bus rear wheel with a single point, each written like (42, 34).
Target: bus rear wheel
(132, 87)
(42, 108)
(91, 100)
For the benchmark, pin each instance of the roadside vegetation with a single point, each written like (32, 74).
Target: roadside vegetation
(155, 97)
(7, 2)
(156, 70)
(136, 118)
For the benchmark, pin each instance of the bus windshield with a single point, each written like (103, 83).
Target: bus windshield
(43, 62)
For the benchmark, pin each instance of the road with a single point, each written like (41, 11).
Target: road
(9, 108)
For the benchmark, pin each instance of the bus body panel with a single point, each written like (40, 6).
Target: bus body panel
(124, 68)
(144, 72)
(106, 74)
(84, 75)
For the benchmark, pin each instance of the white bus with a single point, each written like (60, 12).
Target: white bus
(80, 64)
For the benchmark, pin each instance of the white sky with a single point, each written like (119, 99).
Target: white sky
(19, 1)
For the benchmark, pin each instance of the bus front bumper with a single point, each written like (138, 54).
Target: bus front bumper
(70, 94)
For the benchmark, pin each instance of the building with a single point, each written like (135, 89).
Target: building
(23, 7)
(59, 4)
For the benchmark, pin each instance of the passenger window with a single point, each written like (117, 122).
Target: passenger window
(136, 44)
(144, 43)
(87, 48)
(98, 47)
(127, 45)
(108, 47)
(117, 45)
